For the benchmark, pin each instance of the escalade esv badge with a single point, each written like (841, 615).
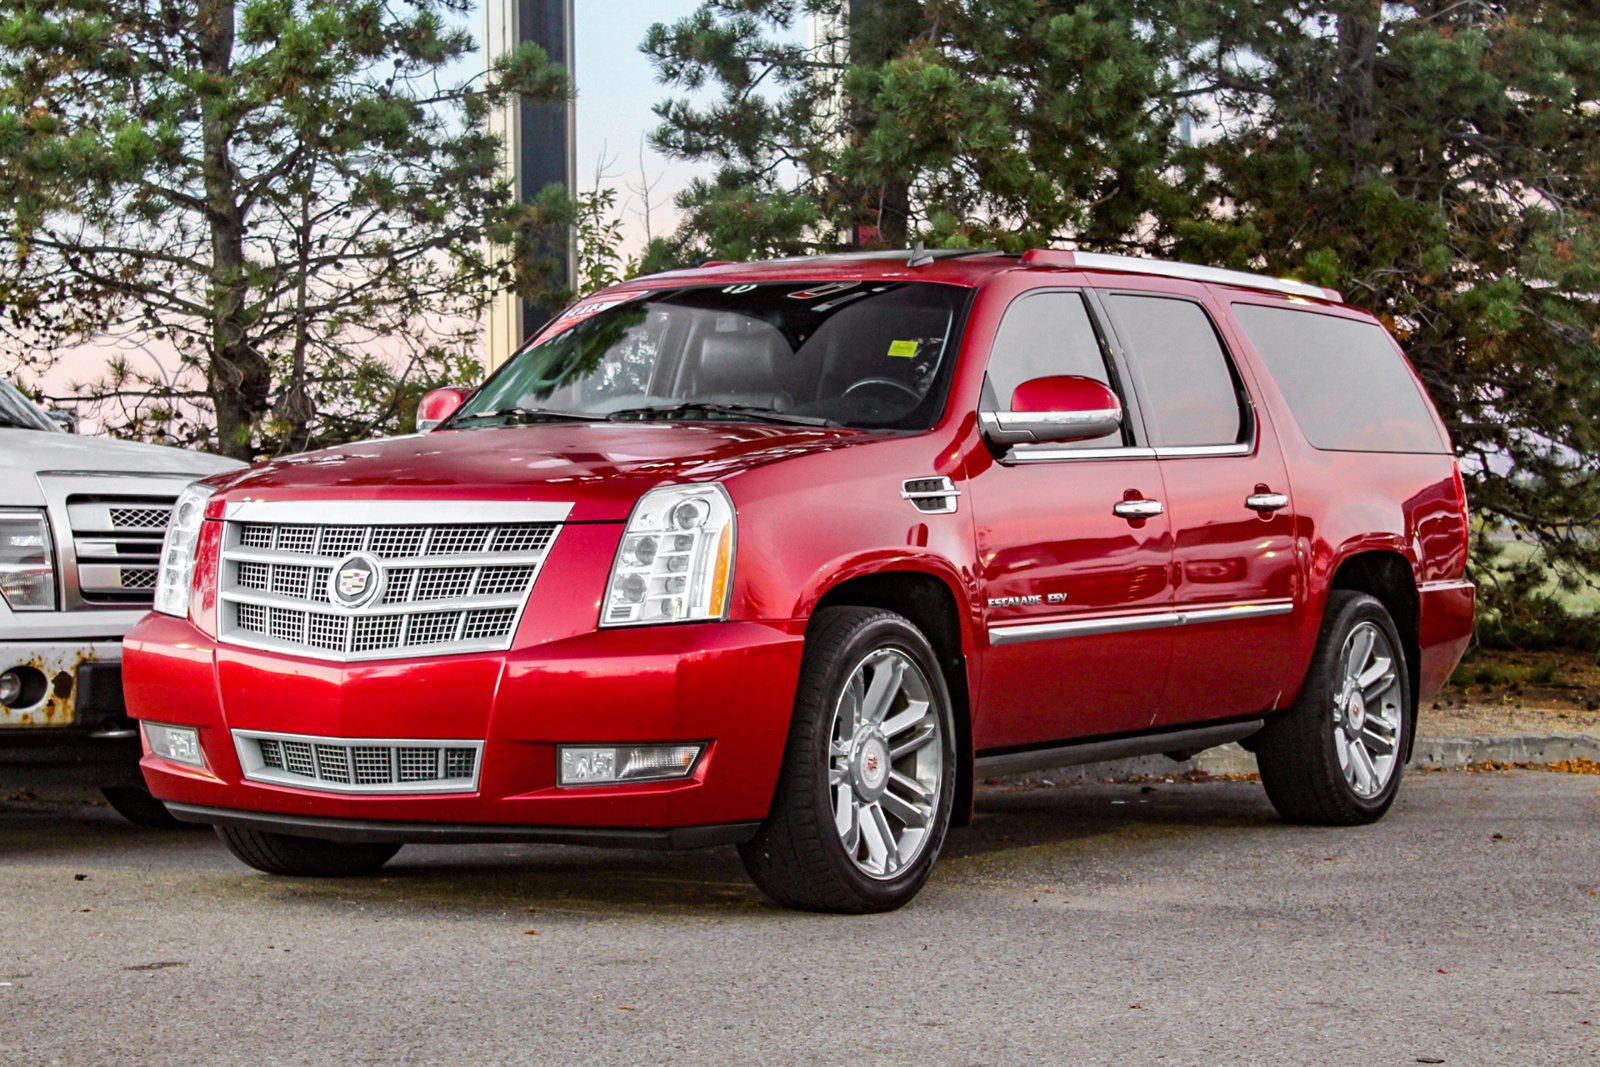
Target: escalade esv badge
(355, 582)
(690, 570)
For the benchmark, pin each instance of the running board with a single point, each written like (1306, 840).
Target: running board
(1038, 759)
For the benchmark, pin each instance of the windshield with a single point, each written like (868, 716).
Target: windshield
(849, 353)
(17, 412)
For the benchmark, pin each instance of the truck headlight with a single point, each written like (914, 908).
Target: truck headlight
(675, 562)
(176, 575)
(27, 561)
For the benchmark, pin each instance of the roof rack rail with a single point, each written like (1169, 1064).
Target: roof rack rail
(1167, 268)
(925, 255)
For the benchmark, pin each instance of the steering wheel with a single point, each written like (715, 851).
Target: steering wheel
(891, 383)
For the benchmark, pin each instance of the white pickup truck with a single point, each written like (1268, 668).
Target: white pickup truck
(81, 523)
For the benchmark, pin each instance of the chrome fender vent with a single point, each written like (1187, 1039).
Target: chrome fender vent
(931, 496)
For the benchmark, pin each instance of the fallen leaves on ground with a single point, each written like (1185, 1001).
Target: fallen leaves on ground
(1576, 765)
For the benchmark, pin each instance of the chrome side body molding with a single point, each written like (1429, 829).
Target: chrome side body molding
(1016, 633)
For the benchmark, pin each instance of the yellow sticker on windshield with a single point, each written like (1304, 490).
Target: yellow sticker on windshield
(904, 349)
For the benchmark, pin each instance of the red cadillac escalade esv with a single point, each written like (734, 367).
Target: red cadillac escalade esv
(786, 554)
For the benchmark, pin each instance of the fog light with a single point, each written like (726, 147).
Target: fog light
(180, 744)
(10, 687)
(601, 765)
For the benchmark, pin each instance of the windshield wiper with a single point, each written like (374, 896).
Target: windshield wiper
(745, 411)
(521, 414)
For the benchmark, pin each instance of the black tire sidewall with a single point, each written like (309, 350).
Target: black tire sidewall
(1316, 703)
(881, 631)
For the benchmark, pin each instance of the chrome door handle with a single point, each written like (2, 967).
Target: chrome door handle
(1137, 509)
(1266, 502)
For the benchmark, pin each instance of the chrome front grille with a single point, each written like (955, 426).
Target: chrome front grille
(359, 765)
(304, 587)
(118, 546)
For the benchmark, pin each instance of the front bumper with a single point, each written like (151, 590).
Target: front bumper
(72, 727)
(730, 685)
(78, 684)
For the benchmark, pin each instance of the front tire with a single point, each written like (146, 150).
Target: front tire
(1336, 757)
(134, 803)
(304, 857)
(864, 796)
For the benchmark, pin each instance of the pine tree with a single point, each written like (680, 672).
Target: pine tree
(1011, 123)
(1439, 162)
(295, 194)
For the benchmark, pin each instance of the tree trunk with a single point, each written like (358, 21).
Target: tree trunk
(238, 378)
(1359, 26)
(879, 32)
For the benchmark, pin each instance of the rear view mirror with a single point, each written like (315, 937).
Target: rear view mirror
(438, 405)
(1061, 408)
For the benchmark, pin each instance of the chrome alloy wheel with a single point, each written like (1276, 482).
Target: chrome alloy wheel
(1367, 710)
(885, 763)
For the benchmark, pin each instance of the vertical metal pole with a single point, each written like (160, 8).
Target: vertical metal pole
(540, 146)
(549, 140)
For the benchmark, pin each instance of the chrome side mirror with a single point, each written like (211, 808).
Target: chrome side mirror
(1065, 407)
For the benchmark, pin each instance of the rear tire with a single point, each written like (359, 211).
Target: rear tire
(304, 857)
(1336, 757)
(863, 800)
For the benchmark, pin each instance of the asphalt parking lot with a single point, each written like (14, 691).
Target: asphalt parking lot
(1084, 924)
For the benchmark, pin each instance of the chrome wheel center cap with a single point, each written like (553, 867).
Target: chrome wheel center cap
(1355, 715)
(870, 767)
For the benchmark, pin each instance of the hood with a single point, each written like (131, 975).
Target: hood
(600, 468)
(24, 453)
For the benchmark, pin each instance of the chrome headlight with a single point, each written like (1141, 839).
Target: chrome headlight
(176, 576)
(27, 561)
(675, 563)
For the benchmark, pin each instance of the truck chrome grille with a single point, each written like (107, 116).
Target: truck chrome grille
(359, 765)
(117, 541)
(441, 588)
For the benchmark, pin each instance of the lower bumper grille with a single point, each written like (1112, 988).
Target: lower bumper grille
(359, 765)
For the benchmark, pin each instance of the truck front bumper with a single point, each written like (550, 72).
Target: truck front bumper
(70, 725)
(727, 686)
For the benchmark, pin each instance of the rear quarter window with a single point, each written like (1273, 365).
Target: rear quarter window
(1345, 380)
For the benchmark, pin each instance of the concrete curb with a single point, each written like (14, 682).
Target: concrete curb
(1434, 753)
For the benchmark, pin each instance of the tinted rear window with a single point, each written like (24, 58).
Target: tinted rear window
(1344, 380)
(1190, 395)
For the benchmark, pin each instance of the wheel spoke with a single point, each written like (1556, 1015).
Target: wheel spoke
(876, 836)
(845, 818)
(1376, 740)
(1366, 773)
(916, 711)
(1360, 652)
(1376, 678)
(850, 706)
(915, 741)
(912, 815)
(912, 788)
(882, 690)
(891, 858)
(1341, 747)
